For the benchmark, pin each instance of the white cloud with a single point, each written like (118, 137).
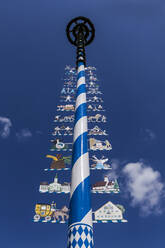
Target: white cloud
(145, 187)
(114, 173)
(24, 134)
(5, 125)
(150, 135)
(147, 135)
(39, 132)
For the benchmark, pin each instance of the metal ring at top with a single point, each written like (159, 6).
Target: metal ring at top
(83, 24)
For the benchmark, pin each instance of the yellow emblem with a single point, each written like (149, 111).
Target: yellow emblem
(44, 210)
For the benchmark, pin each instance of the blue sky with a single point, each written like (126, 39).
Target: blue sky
(129, 53)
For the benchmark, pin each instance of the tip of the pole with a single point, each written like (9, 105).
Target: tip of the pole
(74, 27)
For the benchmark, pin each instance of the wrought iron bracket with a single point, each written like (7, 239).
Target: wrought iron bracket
(80, 32)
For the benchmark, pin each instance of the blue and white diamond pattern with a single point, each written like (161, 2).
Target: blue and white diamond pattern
(80, 236)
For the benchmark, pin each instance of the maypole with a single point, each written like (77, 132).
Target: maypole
(67, 137)
(80, 32)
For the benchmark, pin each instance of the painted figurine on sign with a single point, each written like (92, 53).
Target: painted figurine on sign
(59, 118)
(97, 131)
(68, 107)
(44, 211)
(93, 78)
(67, 98)
(72, 70)
(100, 163)
(68, 130)
(109, 212)
(106, 186)
(95, 108)
(93, 91)
(67, 91)
(61, 215)
(62, 130)
(94, 99)
(69, 83)
(57, 131)
(63, 91)
(54, 187)
(48, 212)
(91, 68)
(60, 146)
(92, 84)
(59, 162)
(97, 118)
(99, 145)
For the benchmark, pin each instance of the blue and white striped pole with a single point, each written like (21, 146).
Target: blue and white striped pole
(80, 231)
(80, 32)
